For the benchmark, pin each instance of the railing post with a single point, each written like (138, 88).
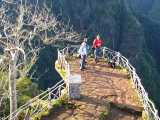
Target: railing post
(104, 52)
(68, 70)
(118, 58)
(58, 56)
(67, 79)
(49, 98)
(67, 50)
(74, 81)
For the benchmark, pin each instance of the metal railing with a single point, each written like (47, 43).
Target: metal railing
(120, 60)
(41, 103)
(63, 63)
(30, 110)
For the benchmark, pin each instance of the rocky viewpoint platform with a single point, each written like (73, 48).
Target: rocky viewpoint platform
(106, 94)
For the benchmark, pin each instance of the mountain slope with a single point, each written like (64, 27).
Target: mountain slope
(122, 28)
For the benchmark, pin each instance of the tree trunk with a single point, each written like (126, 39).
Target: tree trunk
(12, 88)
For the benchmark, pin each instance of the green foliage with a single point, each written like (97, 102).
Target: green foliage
(26, 90)
(57, 103)
(39, 115)
(103, 115)
(4, 80)
(106, 112)
(64, 95)
(70, 106)
(23, 99)
(23, 83)
(61, 71)
(4, 108)
(27, 87)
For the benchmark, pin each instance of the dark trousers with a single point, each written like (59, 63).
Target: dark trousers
(82, 61)
(96, 53)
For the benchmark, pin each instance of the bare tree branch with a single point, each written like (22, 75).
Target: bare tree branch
(24, 27)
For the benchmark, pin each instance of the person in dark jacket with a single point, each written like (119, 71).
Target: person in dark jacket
(97, 43)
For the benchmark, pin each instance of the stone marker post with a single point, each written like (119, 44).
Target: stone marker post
(74, 85)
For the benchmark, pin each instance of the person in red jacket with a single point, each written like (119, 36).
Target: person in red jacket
(97, 43)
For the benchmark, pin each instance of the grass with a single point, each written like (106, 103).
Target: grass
(47, 107)
(106, 112)
(56, 104)
(103, 115)
(144, 116)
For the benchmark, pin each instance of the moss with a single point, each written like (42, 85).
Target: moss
(119, 67)
(135, 96)
(41, 104)
(144, 116)
(57, 103)
(64, 95)
(61, 71)
(103, 115)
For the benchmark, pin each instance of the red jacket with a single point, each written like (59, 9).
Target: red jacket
(97, 43)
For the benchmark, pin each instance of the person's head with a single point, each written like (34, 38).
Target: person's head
(98, 36)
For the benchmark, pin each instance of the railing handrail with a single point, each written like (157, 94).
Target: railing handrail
(149, 106)
(41, 96)
(63, 62)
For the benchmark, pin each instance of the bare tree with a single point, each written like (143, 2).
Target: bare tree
(24, 28)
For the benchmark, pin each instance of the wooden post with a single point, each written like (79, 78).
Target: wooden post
(49, 98)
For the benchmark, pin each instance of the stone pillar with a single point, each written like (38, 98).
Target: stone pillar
(74, 85)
